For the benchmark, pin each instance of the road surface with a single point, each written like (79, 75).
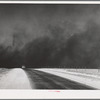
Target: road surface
(32, 79)
(43, 80)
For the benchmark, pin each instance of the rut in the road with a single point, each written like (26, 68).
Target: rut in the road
(15, 79)
(43, 80)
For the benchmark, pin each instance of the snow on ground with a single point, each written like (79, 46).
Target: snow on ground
(3, 71)
(88, 77)
(15, 79)
(86, 71)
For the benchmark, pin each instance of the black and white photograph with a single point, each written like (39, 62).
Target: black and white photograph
(50, 46)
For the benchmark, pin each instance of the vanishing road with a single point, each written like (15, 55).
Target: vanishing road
(33, 79)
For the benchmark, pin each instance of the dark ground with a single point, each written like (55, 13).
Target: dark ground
(44, 80)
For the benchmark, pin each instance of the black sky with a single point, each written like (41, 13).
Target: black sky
(49, 35)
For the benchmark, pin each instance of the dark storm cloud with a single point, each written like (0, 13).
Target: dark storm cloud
(35, 20)
(38, 35)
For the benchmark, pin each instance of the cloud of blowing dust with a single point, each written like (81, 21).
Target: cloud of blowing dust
(42, 35)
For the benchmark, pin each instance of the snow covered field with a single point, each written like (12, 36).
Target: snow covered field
(86, 71)
(3, 71)
(90, 77)
(15, 79)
